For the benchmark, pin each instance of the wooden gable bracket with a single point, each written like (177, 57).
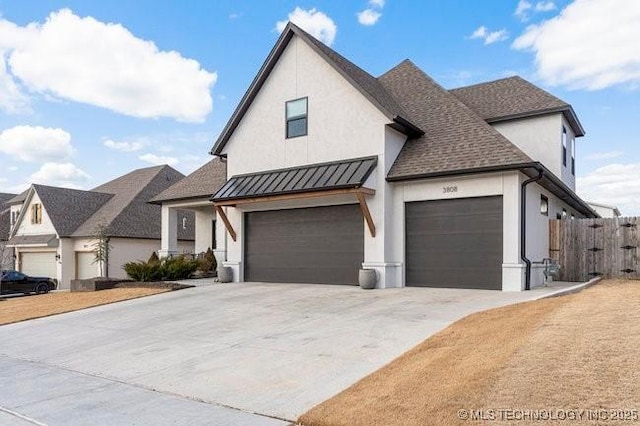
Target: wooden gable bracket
(226, 222)
(366, 213)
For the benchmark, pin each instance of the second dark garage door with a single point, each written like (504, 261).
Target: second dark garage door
(454, 243)
(323, 245)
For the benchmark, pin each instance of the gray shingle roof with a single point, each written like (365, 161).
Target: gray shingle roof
(455, 138)
(128, 213)
(202, 183)
(310, 178)
(5, 215)
(69, 208)
(368, 85)
(513, 97)
(18, 199)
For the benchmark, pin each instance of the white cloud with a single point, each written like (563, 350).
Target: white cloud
(604, 155)
(314, 22)
(12, 100)
(522, 8)
(60, 174)
(591, 44)
(126, 146)
(489, 37)
(35, 143)
(158, 160)
(615, 184)
(377, 3)
(368, 17)
(88, 61)
(545, 6)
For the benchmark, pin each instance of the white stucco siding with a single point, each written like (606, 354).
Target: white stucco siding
(505, 184)
(342, 123)
(125, 250)
(25, 227)
(541, 139)
(538, 228)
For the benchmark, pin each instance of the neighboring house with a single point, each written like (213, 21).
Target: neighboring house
(54, 230)
(193, 193)
(604, 210)
(6, 253)
(330, 170)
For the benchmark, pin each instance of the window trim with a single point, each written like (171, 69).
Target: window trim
(298, 117)
(573, 156)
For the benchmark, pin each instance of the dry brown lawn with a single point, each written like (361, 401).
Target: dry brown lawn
(575, 352)
(17, 309)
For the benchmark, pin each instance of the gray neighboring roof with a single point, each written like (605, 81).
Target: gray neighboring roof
(127, 213)
(310, 178)
(202, 183)
(512, 98)
(368, 85)
(5, 215)
(455, 139)
(48, 240)
(18, 199)
(69, 208)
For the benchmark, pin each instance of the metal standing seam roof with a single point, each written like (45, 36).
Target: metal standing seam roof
(310, 178)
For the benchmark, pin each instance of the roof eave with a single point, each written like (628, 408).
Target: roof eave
(563, 189)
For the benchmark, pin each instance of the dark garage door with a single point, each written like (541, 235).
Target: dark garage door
(323, 245)
(454, 243)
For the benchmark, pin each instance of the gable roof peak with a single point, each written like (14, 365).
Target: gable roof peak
(364, 82)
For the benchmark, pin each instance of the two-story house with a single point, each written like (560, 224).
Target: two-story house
(6, 254)
(330, 170)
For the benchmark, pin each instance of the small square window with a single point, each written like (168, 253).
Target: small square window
(544, 205)
(564, 213)
(296, 112)
(558, 216)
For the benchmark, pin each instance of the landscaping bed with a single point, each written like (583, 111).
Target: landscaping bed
(573, 354)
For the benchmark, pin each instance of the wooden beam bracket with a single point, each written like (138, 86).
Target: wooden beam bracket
(366, 213)
(226, 222)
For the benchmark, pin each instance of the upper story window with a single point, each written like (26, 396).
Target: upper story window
(544, 205)
(36, 213)
(564, 146)
(564, 213)
(296, 112)
(14, 217)
(573, 157)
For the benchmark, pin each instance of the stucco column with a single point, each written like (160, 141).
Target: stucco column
(513, 269)
(169, 235)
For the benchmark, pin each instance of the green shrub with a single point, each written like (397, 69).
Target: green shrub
(177, 268)
(208, 262)
(153, 258)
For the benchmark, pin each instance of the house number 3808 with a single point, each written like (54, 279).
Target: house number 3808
(449, 189)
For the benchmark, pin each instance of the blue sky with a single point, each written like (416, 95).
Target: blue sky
(92, 90)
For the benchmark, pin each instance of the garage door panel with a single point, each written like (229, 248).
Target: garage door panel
(39, 264)
(312, 245)
(454, 243)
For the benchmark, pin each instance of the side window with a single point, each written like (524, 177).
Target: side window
(296, 114)
(573, 156)
(544, 205)
(564, 146)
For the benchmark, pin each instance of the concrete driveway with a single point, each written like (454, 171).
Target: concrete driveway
(219, 354)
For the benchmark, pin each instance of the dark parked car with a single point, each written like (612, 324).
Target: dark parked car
(17, 282)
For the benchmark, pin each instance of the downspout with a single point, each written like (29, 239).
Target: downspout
(523, 227)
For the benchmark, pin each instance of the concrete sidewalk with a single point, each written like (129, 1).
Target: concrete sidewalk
(38, 394)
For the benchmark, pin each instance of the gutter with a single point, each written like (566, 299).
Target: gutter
(523, 227)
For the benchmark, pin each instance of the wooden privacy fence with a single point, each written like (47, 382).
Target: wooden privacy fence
(586, 248)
